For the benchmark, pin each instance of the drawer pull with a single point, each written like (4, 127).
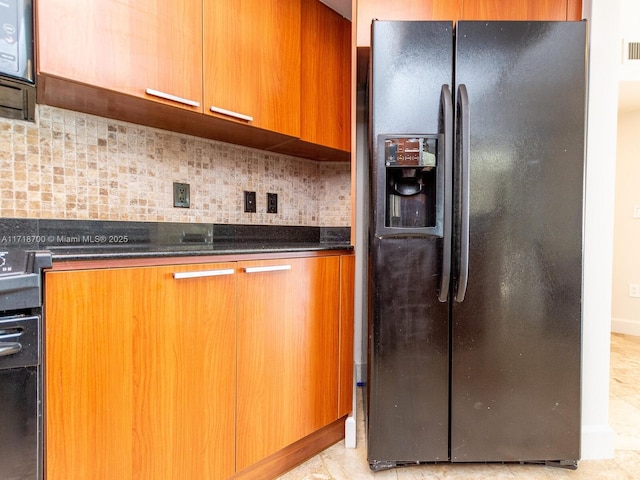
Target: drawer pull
(7, 348)
(203, 273)
(274, 268)
(229, 113)
(173, 98)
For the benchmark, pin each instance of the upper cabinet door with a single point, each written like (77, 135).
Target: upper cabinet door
(252, 62)
(403, 10)
(514, 10)
(326, 77)
(126, 46)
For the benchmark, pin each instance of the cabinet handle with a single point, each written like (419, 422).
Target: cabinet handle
(229, 113)
(173, 98)
(274, 268)
(203, 273)
(7, 348)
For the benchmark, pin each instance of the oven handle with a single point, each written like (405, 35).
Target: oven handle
(9, 348)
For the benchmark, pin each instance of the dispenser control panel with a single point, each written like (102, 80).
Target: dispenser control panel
(410, 152)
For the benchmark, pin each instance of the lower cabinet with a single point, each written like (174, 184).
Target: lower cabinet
(192, 371)
(288, 315)
(140, 374)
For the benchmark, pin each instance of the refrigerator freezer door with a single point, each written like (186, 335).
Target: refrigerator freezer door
(515, 392)
(408, 364)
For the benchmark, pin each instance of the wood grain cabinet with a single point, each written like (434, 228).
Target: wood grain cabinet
(252, 62)
(238, 62)
(402, 10)
(325, 115)
(517, 10)
(288, 352)
(125, 46)
(194, 371)
(140, 374)
(462, 10)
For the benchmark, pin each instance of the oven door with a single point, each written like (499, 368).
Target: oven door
(20, 405)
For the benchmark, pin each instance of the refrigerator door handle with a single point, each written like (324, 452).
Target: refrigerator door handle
(463, 143)
(447, 118)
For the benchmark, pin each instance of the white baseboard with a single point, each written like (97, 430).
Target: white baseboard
(597, 442)
(623, 325)
(350, 432)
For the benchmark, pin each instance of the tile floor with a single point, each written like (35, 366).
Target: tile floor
(338, 463)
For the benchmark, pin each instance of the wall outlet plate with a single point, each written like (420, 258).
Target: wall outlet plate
(249, 202)
(272, 203)
(181, 195)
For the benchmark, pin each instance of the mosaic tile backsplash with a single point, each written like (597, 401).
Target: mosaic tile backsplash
(70, 165)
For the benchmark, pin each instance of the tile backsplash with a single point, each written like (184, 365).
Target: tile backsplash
(71, 165)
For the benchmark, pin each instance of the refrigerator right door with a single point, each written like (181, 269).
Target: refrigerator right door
(516, 329)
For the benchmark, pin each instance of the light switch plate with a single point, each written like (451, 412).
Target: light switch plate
(636, 211)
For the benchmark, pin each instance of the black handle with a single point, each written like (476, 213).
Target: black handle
(9, 348)
(447, 119)
(463, 143)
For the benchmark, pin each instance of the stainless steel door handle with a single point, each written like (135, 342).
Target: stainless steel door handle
(203, 273)
(9, 348)
(230, 113)
(173, 98)
(273, 268)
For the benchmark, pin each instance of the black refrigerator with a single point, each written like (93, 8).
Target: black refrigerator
(477, 147)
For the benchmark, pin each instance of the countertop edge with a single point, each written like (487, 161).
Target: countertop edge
(80, 261)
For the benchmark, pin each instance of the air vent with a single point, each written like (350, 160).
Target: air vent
(631, 51)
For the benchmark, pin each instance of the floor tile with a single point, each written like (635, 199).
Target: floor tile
(339, 463)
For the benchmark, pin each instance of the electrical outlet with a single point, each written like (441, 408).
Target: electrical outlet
(181, 195)
(250, 202)
(634, 290)
(272, 203)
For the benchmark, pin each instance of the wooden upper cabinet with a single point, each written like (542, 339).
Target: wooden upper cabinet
(125, 45)
(325, 77)
(462, 10)
(514, 10)
(403, 10)
(252, 62)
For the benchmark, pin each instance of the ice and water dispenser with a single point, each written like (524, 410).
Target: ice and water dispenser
(413, 184)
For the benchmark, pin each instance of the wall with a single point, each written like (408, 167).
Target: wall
(626, 256)
(630, 31)
(604, 46)
(625, 310)
(70, 165)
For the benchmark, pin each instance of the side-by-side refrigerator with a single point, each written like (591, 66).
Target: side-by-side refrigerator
(477, 146)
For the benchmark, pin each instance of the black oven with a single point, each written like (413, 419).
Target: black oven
(21, 317)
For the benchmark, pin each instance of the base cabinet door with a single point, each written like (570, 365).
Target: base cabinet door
(140, 374)
(288, 348)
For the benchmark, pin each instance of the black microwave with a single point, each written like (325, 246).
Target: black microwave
(17, 75)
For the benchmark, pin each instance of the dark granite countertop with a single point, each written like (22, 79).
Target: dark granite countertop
(96, 240)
